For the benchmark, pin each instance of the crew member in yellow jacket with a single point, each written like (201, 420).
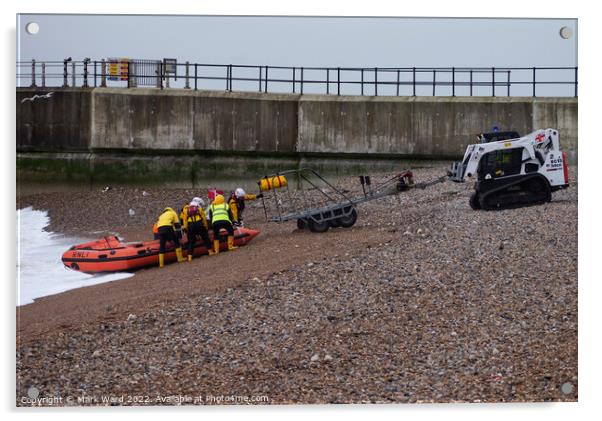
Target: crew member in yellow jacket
(237, 204)
(194, 223)
(221, 217)
(169, 229)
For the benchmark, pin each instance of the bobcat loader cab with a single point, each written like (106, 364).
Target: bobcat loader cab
(513, 172)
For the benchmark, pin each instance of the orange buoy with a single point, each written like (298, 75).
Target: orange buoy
(275, 182)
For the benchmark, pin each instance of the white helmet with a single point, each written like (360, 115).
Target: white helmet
(198, 202)
(239, 192)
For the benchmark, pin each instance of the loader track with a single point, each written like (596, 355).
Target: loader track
(525, 191)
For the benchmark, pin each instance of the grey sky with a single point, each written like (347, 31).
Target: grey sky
(303, 41)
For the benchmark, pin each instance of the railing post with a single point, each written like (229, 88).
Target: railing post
(95, 74)
(470, 82)
(86, 61)
(230, 76)
(129, 82)
(259, 78)
(533, 81)
(161, 71)
(575, 81)
(103, 73)
(413, 81)
(376, 81)
(397, 90)
(508, 86)
(43, 74)
(294, 71)
(362, 82)
(493, 81)
(301, 80)
(327, 81)
(196, 75)
(73, 74)
(65, 73)
(434, 80)
(33, 74)
(453, 81)
(187, 76)
(338, 81)
(266, 79)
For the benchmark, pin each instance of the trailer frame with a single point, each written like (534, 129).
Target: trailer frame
(340, 210)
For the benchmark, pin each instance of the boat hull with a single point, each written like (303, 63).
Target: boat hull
(109, 254)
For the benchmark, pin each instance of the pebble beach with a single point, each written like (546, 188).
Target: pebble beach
(422, 300)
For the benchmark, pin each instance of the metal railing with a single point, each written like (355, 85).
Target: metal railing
(374, 81)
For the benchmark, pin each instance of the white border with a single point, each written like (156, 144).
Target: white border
(589, 191)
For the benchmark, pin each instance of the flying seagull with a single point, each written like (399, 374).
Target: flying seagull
(33, 98)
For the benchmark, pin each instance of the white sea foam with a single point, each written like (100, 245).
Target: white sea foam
(40, 271)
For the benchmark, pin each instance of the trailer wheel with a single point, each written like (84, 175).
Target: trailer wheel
(317, 226)
(335, 223)
(301, 224)
(474, 201)
(349, 220)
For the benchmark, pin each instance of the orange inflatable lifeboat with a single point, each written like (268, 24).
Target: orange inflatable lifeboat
(109, 254)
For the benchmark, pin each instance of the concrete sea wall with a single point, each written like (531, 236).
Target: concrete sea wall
(194, 129)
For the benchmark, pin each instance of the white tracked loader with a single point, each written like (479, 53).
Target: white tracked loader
(512, 171)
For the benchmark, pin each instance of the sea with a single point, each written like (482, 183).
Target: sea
(40, 271)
